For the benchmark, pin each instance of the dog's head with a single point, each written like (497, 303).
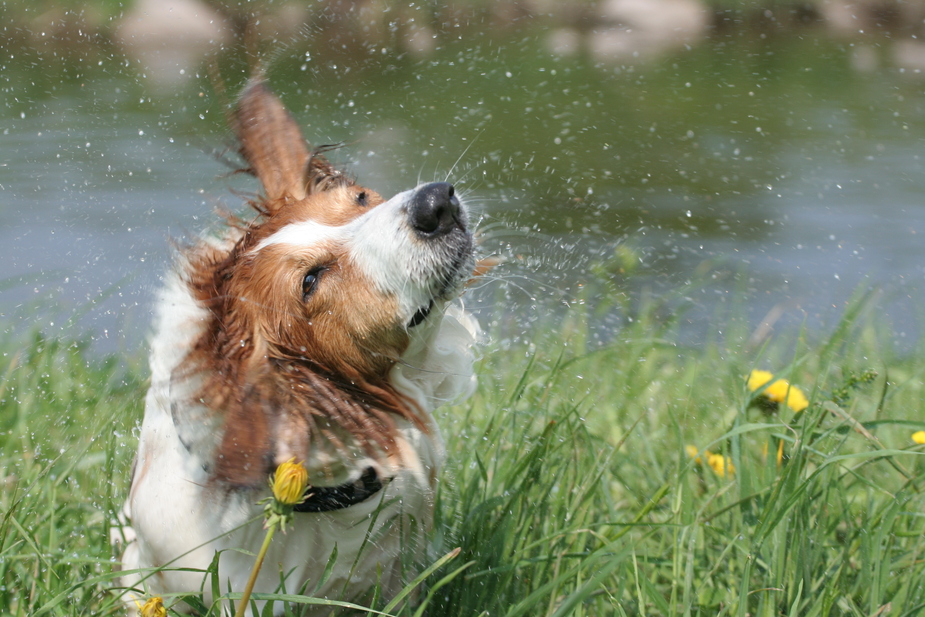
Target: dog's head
(313, 302)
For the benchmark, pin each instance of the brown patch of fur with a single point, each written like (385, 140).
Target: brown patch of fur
(293, 175)
(270, 362)
(334, 207)
(271, 142)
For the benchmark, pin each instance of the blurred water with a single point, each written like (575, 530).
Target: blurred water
(770, 156)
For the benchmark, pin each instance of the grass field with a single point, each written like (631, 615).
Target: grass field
(569, 490)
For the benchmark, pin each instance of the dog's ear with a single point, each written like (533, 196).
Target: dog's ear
(271, 143)
(276, 151)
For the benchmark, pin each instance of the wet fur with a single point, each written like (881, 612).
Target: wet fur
(247, 373)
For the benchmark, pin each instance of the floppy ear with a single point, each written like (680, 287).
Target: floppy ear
(275, 150)
(271, 143)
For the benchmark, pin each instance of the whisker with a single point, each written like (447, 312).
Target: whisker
(453, 168)
(461, 179)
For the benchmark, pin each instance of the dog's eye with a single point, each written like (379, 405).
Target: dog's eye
(363, 198)
(310, 282)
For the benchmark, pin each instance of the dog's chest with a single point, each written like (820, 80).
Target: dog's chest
(358, 546)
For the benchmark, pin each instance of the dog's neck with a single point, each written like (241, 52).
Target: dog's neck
(291, 410)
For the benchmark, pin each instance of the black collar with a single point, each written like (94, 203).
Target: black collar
(330, 498)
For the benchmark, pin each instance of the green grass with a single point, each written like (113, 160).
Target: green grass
(567, 490)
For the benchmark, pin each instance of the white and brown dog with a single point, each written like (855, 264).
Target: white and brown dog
(323, 330)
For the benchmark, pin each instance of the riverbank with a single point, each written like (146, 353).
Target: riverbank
(605, 29)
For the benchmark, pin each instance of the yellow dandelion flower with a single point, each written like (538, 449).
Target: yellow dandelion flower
(780, 391)
(154, 607)
(693, 452)
(717, 462)
(918, 437)
(757, 378)
(290, 482)
(720, 465)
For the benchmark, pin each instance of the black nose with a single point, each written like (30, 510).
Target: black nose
(435, 209)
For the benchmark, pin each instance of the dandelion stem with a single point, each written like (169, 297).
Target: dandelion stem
(245, 598)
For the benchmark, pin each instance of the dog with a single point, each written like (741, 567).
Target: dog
(326, 330)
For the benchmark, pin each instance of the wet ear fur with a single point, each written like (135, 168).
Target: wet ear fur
(276, 151)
